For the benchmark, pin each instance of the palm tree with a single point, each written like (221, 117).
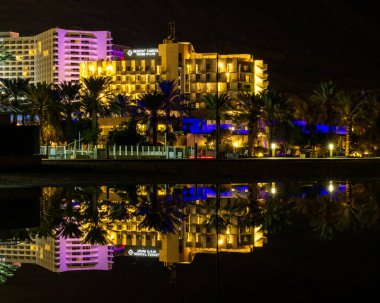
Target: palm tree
(276, 110)
(69, 96)
(173, 99)
(5, 55)
(324, 97)
(120, 105)
(151, 104)
(6, 271)
(15, 88)
(250, 108)
(353, 108)
(40, 103)
(215, 102)
(95, 89)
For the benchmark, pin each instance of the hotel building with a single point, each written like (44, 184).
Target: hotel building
(59, 254)
(193, 234)
(54, 56)
(195, 73)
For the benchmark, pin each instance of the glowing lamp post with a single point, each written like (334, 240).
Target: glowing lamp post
(236, 145)
(273, 147)
(331, 149)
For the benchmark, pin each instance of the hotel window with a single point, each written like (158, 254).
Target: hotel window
(229, 67)
(208, 87)
(196, 68)
(208, 67)
(208, 77)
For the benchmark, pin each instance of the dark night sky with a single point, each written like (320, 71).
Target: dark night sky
(303, 42)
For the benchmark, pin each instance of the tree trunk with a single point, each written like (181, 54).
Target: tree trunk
(251, 139)
(348, 192)
(154, 125)
(348, 137)
(42, 126)
(94, 126)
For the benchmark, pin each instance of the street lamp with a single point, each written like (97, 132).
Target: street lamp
(273, 146)
(235, 144)
(331, 149)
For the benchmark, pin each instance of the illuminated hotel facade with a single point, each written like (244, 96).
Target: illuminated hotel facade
(59, 254)
(192, 236)
(195, 73)
(54, 56)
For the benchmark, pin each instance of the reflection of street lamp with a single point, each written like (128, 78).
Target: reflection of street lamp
(331, 149)
(330, 188)
(273, 188)
(273, 146)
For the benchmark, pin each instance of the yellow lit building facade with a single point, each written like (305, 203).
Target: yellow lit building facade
(192, 236)
(195, 73)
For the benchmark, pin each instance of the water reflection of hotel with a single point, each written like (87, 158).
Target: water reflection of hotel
(59, 254)
(191, 237)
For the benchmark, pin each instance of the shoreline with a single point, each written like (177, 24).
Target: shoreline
(83, 172)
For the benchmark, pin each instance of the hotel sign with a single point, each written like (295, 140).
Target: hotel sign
(143, 252)
(143, 52)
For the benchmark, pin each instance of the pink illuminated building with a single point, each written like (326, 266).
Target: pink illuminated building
(54, 56)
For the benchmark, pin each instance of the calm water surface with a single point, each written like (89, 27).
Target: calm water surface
(189, 242)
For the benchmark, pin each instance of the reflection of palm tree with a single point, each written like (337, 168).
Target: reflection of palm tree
(96, 220)
(253, 214)
(217, 218)
(277, 215)
(119, 210)
(5, 54)
(70, 220)
(161, 215)
(49, 212)
(6, 271)
(15, 236)
(323, 211)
